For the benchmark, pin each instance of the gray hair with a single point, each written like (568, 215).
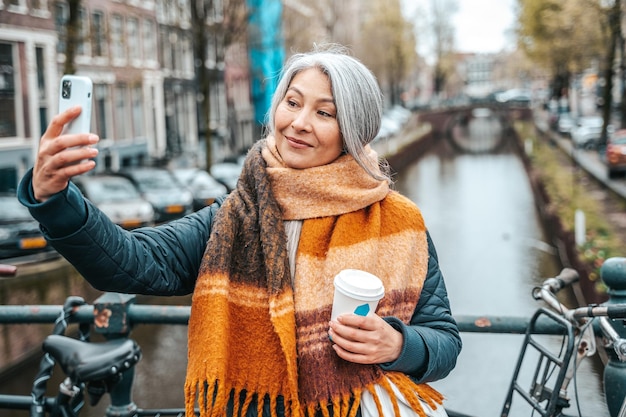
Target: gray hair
(357, 96)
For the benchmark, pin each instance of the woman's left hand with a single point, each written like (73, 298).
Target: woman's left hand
(365, 339)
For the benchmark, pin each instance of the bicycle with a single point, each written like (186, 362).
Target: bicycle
(547, 392)
(90, 369)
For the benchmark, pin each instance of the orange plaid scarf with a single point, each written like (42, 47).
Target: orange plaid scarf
(256, 340)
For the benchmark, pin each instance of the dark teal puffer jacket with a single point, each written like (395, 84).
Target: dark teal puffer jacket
(165, 260)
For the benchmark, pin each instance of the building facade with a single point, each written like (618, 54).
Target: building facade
(28, 78)
(140, 57)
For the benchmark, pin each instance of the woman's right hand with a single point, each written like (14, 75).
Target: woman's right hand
(60, 157)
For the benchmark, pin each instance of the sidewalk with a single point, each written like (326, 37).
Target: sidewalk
(590, 161)
(409, 133)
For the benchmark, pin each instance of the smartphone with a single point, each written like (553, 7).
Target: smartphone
(76, 90)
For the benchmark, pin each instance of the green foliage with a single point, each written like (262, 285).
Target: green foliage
(387, 44)
(568, 192)
(562, 35)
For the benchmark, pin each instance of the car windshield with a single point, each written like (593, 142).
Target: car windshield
(592, 122)
(12, 211)
(105, 190)
(203, 180)
(183, 176)
(226, 169)
(155, 180)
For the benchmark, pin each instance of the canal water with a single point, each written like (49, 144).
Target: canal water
(480, 212)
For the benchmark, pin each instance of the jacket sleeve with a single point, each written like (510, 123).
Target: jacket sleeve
(161, 260)
(432, 341)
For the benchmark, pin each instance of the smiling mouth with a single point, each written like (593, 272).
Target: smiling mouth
(296, 142)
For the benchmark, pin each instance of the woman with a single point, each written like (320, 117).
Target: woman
(311, 201)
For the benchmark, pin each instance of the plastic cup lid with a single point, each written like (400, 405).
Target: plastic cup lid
(359, 284)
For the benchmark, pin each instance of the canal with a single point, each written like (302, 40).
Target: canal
(480, 211)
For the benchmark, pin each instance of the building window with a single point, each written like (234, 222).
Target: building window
(98, 37)
(132, 35)
(101, 96)
(39, 8)
(60, 19)
(148, 40)
(211, 53)
(187, 55)
(166, 59)
(216, 13)
(18, 6)
(177, 50)
(8, 122)
(117, 37)
(137, 97)
(121, 112)
(41, 88)
(82, 46)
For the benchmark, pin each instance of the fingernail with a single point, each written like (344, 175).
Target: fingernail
(93, 138)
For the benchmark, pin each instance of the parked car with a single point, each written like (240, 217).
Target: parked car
(587, 132)
(203, 186)
(118, 198)
(616, 153)
(399, 114)
(157, 185)
(19, 232)
(515, 96)
(388, 128)
(227, 173)
(565, 123)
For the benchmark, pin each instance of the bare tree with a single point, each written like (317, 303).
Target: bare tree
(570, 36)
(564, 37)
(216, 24)
(72, 35)
(614, 18)
(387, 46)
(443, 40)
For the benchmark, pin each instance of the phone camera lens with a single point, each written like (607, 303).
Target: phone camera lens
(66, 90)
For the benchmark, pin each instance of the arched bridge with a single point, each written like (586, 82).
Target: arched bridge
(473, 128)
(478, 128)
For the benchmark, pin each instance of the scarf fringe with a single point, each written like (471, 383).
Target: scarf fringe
(212, 402)
(414, 394)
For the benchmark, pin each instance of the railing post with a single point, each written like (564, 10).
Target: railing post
(110, 312)
(111, 318)
(613, 274)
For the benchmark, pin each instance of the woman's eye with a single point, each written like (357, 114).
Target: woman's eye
(324, 114)
(291, 103)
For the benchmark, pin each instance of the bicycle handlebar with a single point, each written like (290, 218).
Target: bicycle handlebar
(547, 291)
(615, 311)
(566, 277)
(578, 316)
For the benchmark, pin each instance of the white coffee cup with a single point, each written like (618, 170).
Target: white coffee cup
(356, 292)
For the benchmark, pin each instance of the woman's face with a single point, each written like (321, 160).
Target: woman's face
(306, 128)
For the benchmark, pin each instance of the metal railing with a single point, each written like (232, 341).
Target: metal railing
(114, 315)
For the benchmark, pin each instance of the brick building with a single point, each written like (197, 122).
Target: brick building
(139, 55)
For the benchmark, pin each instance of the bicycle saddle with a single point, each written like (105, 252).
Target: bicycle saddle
(86, 361)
